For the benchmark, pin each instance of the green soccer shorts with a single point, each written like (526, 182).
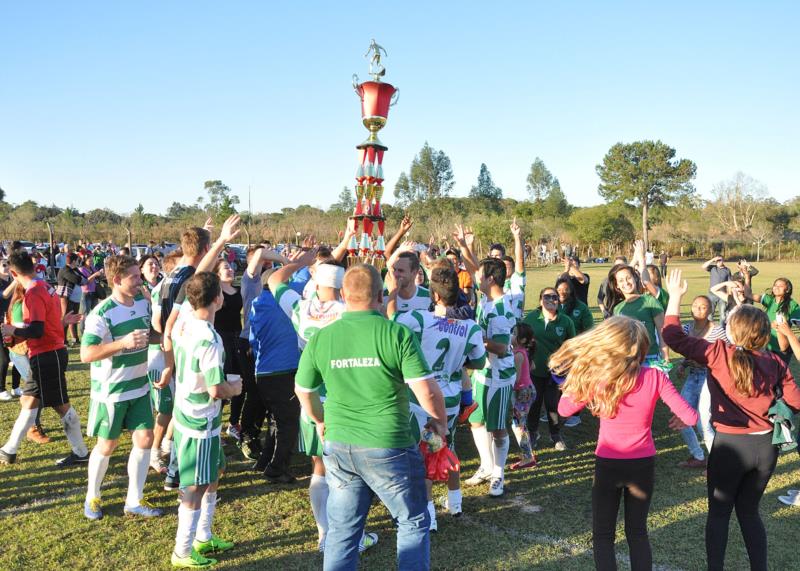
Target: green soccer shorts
(493, 406)
(106, 420)
(163, 399)
(418, 418)
(200, 460)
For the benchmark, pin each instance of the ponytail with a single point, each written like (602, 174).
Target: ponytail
(741, 365)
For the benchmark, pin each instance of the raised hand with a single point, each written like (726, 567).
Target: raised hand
(458, 235)
(515, 229)
(209, 225)
(675, 285)
(406, 223)
(469, 236)
(230, 229)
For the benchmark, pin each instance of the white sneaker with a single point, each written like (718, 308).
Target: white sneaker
(367, 540)
(496, 487)
(792, 500)
(5, 397)
(454, 509)
(478, 478)
(16, 392)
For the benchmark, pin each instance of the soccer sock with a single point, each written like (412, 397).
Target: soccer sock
(98, 464)
(454, 501)
(482, 444)
(432, 513)
(138, 463)
(187, 525)
(318, 491)
(207, 507)
(500, 453)
(166, 446)
(24, 421)
(72, 428)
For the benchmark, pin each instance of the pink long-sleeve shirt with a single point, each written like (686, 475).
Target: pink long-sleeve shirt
(629, 434)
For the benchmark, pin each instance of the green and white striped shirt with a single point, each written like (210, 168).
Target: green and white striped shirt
(199, 360)
(496, 319)
(122, 376)
(514, 288)
(308, 315)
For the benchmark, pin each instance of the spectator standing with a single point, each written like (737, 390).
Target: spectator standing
(718, 273)
(367, 363)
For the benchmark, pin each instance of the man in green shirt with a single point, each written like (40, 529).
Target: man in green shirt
(366, 362)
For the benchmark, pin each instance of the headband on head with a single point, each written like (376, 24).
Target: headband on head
(329, 275)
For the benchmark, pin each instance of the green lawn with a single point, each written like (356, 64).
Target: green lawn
(542, 522)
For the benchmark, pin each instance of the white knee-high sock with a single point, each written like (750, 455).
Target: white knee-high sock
(98, 464)
(72, 428)
(187, 526)
(500, 447)
(138, 463)
(318, 492)
(24, 421)
(454, 501)
(482, 444)
(207, 508)
(166, 446)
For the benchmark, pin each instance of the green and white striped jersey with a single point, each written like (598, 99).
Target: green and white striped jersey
(420, 301)
(514, 288)
(199, 360)
(496, 319)
(122, 376)
(308, 315)
(448, 345)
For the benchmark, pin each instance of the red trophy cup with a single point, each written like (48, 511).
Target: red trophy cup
(376, 98)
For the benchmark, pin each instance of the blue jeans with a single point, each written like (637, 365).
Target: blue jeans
(695, 380)
(397, 477)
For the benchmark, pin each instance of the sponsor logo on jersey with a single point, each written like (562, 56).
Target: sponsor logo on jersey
(559, 331)
(451, 326)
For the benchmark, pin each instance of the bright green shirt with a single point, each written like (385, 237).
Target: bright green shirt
(580, 315)
(663, 298)
(549, 337)
(366, 362)
(771, 306)
(645, 309)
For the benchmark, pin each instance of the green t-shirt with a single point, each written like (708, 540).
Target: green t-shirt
(365, 361)
(549, 337)
(771, 306)
(663, 298)
(645, 309)
(580, 315)
(122, 376)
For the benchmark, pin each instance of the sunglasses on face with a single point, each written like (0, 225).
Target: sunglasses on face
(550, 297)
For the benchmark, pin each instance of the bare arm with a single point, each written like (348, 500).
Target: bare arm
(405, 226)
(229, 231)
(710, 262)
(787, 339)
(225, 390)
(519, 254)
(662, 345)
(9, 291)
(341, 250)
(166, 345)
(430, 398)
(285, 273)
(134, 340)
(463, 235)
(311, 405)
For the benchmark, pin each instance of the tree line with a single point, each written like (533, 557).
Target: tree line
(648, 192)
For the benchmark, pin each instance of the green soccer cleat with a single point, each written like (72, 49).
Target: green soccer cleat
(192, 561)
(213, 545)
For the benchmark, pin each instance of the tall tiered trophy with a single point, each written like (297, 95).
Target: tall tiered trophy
(376, 98)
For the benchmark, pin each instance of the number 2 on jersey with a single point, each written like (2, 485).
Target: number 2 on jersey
(444, 346)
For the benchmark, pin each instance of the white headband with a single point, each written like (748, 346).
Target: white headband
(329, 275)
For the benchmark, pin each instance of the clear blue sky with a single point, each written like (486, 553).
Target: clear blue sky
(116, 103)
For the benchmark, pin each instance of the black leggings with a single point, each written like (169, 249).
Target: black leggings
(739, 468)
(547, 392)
(611, 478)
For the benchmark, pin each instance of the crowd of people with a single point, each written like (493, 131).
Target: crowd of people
(368, 372)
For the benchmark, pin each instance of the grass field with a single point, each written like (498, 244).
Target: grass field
(542, 522)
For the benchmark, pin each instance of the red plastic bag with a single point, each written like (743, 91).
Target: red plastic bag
(439, 464)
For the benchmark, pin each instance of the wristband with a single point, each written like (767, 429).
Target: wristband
(466, 397)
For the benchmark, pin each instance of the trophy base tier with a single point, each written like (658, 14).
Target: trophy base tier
(376, 260)
(373, 142)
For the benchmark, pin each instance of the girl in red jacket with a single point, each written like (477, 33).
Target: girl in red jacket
(742, 379)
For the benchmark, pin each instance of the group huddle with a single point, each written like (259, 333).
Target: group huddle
(363, 369)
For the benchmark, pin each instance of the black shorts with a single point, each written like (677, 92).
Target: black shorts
(48, 381)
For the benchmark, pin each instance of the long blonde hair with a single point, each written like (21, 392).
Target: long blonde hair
(601, 365)
(750, 330)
